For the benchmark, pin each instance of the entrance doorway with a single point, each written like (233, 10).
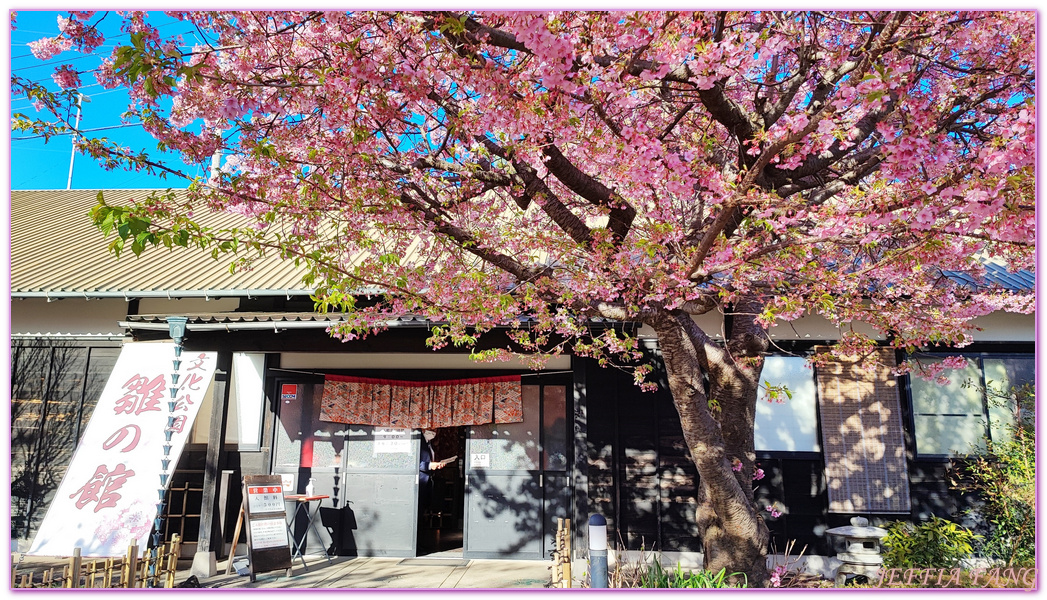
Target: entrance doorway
(517, 480)
(499, 499)
(441, 508)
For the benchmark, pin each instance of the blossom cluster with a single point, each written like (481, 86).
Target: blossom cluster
(66, 77)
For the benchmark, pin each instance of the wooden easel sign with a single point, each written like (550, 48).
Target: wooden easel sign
(268, 547)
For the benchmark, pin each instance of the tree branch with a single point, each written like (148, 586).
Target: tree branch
(621, 212)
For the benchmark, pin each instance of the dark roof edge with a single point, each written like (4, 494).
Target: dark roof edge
(169, 294)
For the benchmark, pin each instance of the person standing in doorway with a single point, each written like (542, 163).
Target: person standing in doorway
(426, 466)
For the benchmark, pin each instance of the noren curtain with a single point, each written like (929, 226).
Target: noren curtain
(421, 404)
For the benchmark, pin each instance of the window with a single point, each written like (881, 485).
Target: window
(957, 417)
(55, 385)
(790, 425)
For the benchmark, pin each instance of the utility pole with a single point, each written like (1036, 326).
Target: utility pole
(72, 155)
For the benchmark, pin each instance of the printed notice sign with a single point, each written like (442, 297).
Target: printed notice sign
(391, 441)
(289, 391)
(268, 533)
(480, 460)
(287, 480)
(265, 498)
(268, 547)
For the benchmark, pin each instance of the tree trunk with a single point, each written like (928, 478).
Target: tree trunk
(714, 390)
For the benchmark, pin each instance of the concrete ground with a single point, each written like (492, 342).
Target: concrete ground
(443, 570)
(392, 573)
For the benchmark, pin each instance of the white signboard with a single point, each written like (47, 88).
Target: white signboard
(268, 533)
(480, 460)
(265, 498)
(391, 441)
(287, 480)
(108, 498)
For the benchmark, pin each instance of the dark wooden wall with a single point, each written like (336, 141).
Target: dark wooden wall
(641, 479)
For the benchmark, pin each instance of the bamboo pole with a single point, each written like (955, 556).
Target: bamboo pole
(130, 571)
(74, 565)
(110, 564)
(557, 573)
(567, 553)
(145, 562)
(174, 548)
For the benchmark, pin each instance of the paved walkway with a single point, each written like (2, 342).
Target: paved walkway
(392, 573)
(441, 570)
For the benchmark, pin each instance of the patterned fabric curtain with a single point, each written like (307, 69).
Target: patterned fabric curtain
(421, 404)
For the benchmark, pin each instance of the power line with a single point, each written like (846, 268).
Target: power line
(55, 62)
(90, 97)
(93, 129)
(110, 37)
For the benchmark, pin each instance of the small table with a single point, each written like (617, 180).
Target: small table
(302, 506)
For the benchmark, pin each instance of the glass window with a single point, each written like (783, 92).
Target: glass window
(791, 424)
(554, 428)
(957, 417)
(949, 418)
(510, 446)
(289, 432)
(1002, 375)
(246, 401)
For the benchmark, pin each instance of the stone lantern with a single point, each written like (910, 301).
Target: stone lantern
(863, 549)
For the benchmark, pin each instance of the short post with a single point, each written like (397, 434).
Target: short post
(598, 551)
(74, 565)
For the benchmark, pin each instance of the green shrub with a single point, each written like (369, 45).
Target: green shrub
(1005, 478)
(655, 576)
(935, 543)
(646, 571)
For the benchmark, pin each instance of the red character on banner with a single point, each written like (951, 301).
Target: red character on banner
(179, 424)
(119, 435)
(184, 402)
(192, 383)
(102, 487)
(198, 363)
(143, 394)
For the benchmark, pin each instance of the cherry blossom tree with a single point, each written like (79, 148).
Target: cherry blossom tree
(643, 167)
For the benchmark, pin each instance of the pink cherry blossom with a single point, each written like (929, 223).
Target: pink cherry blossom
(47, 48)
(558, 173)
(66, 77)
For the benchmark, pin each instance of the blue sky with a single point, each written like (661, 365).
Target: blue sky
(39, 165)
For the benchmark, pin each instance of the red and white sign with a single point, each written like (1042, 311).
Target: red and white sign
(108, 497)
(265, 499)
(288, 391)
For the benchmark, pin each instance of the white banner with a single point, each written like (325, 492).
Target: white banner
(108, 497)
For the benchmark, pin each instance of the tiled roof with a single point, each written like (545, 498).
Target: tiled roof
(996, 275)
(217, 321)
(57, 252)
